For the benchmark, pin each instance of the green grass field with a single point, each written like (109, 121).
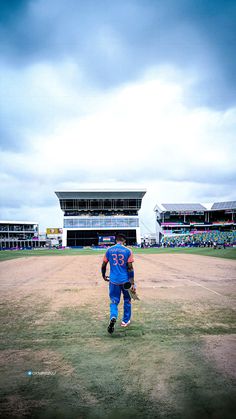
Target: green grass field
(162, 367)
(228, 253)
(156, 369)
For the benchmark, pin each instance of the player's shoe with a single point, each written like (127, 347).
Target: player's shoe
(123, 324)
(111, 325)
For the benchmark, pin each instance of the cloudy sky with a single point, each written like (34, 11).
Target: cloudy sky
(102, 93)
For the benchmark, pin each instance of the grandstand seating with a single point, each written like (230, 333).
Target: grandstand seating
(206, 238)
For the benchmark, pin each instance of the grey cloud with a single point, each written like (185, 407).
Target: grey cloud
(142, 173)
(30, 107)
(25, 194)
(113, 42)
(48, 216)
(36, 179)
(210, 193)
(22, 187)
(217, 176)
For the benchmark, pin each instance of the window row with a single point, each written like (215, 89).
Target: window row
(101, 222)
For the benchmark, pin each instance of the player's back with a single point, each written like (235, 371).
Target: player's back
(118, 257)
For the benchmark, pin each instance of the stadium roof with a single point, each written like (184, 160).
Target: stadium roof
(224, 205)
(183, 207)
(102, 194)
(159, 208)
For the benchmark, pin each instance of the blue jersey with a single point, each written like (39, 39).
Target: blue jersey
(118, 256)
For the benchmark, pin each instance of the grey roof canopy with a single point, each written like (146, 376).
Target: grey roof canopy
(224, 205)
(184, 207)
(101, 194)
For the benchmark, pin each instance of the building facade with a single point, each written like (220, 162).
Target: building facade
(19, 234)
(89, 215)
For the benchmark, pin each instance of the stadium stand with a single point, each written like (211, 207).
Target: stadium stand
(19, 235)
(196, 224)
(204, 239)
(90, 215)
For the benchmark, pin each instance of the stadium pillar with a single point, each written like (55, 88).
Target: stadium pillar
(64, 237)
(138, 236)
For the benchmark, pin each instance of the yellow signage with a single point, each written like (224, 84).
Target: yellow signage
(54, 231)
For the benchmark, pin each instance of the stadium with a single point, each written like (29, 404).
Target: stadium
(176, 358)
(195, 224)
(92, 218)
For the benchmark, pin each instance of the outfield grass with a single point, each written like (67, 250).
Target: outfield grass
(228, 253)
(162, 366)
(155, 369)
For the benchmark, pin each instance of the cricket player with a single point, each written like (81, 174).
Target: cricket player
(121, 272)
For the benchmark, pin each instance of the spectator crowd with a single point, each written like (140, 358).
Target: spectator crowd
(204, 239)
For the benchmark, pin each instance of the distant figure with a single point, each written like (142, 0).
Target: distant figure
(121, 271)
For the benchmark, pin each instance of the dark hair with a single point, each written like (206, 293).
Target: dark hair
(120, 237)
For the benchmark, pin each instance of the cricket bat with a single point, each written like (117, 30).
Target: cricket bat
(132, 294)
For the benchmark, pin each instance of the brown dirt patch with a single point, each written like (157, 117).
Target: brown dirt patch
(18, 407)
(76, 280)
(67, 279)
(64, 280)
(44, 360)
(221, 351)
(15, 363)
